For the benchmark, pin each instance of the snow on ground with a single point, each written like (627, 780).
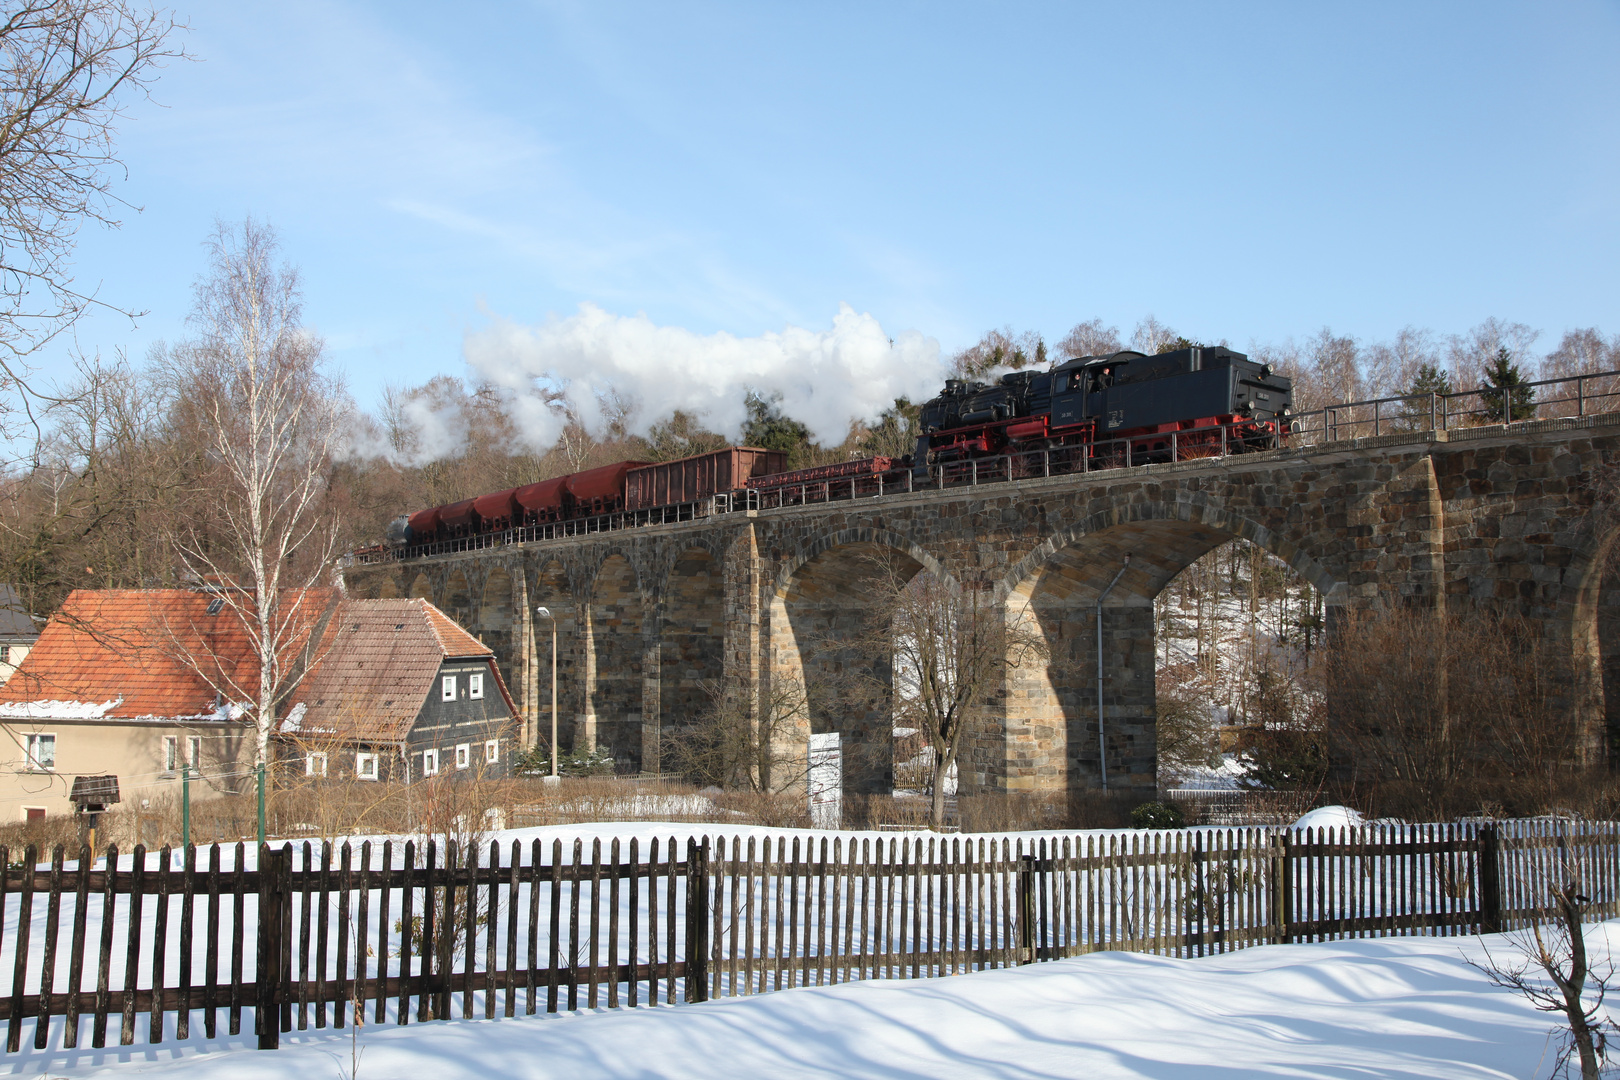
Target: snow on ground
(1400, 1007)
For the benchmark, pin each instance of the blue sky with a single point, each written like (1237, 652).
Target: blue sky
(1243, 172)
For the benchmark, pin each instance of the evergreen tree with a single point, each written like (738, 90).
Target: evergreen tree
(1416, 410)
(1505, 392)
(1430, 380)
(768, 429)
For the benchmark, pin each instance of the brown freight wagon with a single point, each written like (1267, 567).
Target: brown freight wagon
(690, 479)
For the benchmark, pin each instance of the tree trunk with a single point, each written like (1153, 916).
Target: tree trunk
(936, 812)
(1574, 984)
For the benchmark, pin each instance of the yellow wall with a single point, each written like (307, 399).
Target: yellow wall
(11, 657)
(132, 752)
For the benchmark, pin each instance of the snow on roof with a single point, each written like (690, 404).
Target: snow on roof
(135, 654)
(58, 710)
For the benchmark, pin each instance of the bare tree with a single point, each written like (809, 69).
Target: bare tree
(1392, 368)
(1149, 334)
(254, 382)
(950, 648)
(1554, 973)
(730, 747)
(1471, 354)
(1431, 714)
(65, 68)
(1090, 338)
(1584, 352)
(998, 349)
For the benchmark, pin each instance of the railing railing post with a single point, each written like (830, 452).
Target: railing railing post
(1490, 881)
(697, 920)
(267, 982)
(1026, 909)
(1282, 891)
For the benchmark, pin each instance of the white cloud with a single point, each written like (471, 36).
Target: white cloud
(825, 377)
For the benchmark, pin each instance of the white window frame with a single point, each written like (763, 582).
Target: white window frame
(463, 755)
(430, 762)
(315, 764)
(492, 751)
(171, 754)
(33, 759)
(366, 766)
(475, 685)
(447, 688)
(194, 751)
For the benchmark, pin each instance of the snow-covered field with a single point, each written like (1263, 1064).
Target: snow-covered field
(1408, 1007)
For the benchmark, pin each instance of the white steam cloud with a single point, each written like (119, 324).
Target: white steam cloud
(825, 377)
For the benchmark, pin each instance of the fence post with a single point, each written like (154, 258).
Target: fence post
(1282, 887)
(1026, 909)
(1201, 899)
(267, 967)
(1490, 881)
(697, 920)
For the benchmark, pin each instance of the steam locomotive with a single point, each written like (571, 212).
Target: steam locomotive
(1093, 411)
(1201, 395)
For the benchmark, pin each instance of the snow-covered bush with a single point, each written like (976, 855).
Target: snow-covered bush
(1158, 815)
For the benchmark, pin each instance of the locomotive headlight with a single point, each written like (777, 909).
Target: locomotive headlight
(1267, 370)
(1287, 410)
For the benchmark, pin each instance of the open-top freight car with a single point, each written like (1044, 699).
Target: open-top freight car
(610, 489)
(691, 479)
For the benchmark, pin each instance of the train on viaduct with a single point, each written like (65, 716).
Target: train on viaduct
(746, 596)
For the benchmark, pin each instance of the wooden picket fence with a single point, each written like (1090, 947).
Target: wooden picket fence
(304, 936)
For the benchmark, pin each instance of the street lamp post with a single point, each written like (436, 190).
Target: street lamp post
(545, 613)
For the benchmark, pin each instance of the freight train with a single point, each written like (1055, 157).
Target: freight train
(1089, 412)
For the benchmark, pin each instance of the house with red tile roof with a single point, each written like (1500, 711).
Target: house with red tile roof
(400, 692)
(139, 683)
(143, 683)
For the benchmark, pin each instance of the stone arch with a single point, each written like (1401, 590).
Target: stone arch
(824, 602)
(1051, 738)
(616, 710)
(850, 537)
(1234, 526)
(422, 588)
(385, 589)
(691, 637)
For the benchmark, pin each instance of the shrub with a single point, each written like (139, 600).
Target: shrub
(1158, 815)
(537, 762)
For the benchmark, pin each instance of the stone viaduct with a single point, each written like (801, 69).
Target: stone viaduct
(1505, 518)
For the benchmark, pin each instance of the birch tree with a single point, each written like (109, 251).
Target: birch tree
(254, 382)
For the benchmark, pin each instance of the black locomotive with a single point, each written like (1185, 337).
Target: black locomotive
(1124, 405)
